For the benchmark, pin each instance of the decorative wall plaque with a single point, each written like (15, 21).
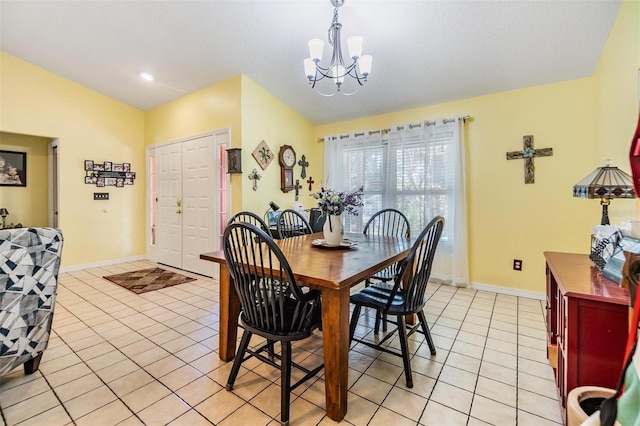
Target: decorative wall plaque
(108, 174)
(263, 155)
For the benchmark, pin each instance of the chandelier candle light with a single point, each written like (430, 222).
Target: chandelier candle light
(337, 70)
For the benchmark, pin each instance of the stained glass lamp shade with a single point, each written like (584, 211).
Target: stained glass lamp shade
(605, 183)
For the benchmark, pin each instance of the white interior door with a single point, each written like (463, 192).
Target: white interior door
(198, 188)
(169, 207)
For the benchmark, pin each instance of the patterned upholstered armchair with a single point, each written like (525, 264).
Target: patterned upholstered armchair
(29, 264)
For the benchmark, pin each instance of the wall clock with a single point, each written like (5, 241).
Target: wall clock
(263, 155)
(287, 158)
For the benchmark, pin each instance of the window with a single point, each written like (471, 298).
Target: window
(419, 171)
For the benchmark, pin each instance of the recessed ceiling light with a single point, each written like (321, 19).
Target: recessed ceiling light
(147, 76)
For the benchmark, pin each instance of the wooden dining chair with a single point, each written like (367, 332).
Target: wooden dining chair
(292, 223)
(390, 223)
(406, 297)
(259, 272)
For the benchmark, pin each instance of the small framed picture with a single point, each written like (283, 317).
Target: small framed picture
(100, 182)
(118, 168)
(109, 181)
(13, 168)
(107, 166)
(120, 182)
(88, 164)
(126, 167)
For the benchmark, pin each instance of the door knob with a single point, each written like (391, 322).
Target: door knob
(178, 202)
(179, 211)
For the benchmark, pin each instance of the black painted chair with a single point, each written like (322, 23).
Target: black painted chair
(292, 223)
(259, 271)
(252, 218)
(391, 223)
(403, 299)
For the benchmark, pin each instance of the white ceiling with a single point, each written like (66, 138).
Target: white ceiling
(424, 52)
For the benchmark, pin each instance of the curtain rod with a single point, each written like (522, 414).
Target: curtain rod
(411, 126)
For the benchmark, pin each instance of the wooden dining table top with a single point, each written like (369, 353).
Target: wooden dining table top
(336, 267)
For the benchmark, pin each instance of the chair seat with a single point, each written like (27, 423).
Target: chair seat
(378, 297)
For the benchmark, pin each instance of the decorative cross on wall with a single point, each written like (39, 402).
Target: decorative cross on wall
(304, 164)
(255, 177)
(528, 153)
(297, 187)
(310, 181)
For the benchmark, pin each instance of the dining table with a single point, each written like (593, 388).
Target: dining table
(332, 271)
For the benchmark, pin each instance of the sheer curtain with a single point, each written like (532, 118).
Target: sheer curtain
(418, 169)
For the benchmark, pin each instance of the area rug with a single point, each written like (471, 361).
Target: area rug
(148, 279)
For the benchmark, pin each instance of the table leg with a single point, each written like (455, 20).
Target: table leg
(335, 331)
(229, 311)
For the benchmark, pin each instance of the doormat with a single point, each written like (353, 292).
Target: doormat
(148, 279)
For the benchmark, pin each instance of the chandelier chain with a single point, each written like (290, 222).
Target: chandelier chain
(330, 36)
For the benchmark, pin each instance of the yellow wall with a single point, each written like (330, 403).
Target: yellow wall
(27, 205)
(213, 108)
(266, 118)
(88, 125)
(584, 121)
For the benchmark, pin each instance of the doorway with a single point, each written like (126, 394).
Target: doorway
(189, 209)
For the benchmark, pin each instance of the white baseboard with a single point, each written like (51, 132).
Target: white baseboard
(508, 291)
(102, 263)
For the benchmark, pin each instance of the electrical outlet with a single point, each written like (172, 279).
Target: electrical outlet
(100, 195)
(517, 265)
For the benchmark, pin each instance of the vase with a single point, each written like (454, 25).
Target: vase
(333, 230)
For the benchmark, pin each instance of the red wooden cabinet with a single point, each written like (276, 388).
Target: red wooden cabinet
(587, 323)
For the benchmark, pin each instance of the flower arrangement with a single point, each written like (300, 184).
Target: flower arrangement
(334, 203)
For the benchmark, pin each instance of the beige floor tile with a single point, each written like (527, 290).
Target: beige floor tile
(463, 362)
(180, 377)
(503, 335)
(22, 392)
(500, 358)
(193, 352)
(95, 350)
(481, 330)
(477, 422)
(111, 414)
(359, 410)
(30, 407)
(303, 412)
(371, 388)
(190, 418)
(537, 355)
(439, 415)
(60, 363)
(117, 370)
(452, 397)
(410, 404)
(164, 411)
(528, 419)
(457, 377)
(218, 406)
(150, 356)
(539, 405)
(538, 369)
(497, 391)
(385, 417)
(106, 360)
(164, 366)
(130, 382)
(502, 346)
(78, 387)
(90, 401)
(537, 385)
(498, 373)
(198, 390)
(384, 371)
(472, 338)
(246, 415)
(143, 397)
(467, 349)
(55, 416)
(268, 400)
(440, 330)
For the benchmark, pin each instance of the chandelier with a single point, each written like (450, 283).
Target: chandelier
(359, 69)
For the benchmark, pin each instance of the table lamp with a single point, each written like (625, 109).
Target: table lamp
(605, 183)
(269, 217)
